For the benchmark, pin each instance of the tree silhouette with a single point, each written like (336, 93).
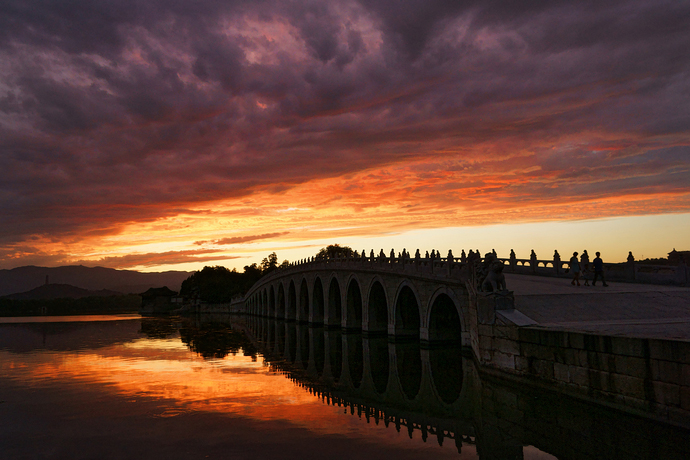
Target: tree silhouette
(269, 263)
(218, 284)
(334, 250)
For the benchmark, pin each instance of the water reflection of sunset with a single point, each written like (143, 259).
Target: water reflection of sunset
(165, 369)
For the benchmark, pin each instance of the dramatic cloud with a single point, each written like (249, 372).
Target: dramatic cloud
(242, 239)
(35, 256)
(156, 259)
(157, 121)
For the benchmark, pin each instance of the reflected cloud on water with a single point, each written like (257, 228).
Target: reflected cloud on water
(387, 395)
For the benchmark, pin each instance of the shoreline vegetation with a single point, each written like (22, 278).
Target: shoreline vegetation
(219, 285)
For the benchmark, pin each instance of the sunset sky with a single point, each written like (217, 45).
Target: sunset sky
(168, 135)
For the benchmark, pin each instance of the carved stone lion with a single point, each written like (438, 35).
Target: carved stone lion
(495, 280)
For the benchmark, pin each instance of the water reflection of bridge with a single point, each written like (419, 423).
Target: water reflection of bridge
(380, 413)
(398, 384)
(439, 393)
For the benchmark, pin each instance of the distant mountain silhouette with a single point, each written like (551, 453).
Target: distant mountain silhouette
(59, 291)
(23, 279)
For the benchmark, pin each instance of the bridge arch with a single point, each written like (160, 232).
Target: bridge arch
(444, 317)
(271, 302)
(317, 304)
(291, 302)
(335, 315)
(335, 302)
(377, 308)
(281, 312)
(303, 313)
(403, 300)
(407, 311)
(353, 304)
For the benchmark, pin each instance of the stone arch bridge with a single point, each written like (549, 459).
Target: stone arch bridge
(415, 298)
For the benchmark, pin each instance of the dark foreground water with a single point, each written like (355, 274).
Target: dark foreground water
(236, 388)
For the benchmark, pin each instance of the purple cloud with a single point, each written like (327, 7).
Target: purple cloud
(126, 112)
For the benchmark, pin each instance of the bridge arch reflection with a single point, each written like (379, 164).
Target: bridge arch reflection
(368, 367)
(395, 383)
(377, 307)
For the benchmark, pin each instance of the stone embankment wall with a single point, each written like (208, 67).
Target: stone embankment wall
(228, 307)
(236, 305)
(650, 377)
(512, 416)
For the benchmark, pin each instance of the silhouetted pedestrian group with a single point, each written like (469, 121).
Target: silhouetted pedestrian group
(579, 269)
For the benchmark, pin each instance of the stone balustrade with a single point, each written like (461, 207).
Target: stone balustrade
(448, 266)
(630, 271)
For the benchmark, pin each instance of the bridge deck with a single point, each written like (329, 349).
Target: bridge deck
(622, 309)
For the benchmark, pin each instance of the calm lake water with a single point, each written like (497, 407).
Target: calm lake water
(220, 387)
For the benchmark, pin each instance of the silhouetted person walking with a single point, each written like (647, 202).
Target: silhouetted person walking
(584, 267)
(575, 269)
(598, 270)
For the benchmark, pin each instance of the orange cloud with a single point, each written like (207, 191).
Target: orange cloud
(242, 239)
(156, 258)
